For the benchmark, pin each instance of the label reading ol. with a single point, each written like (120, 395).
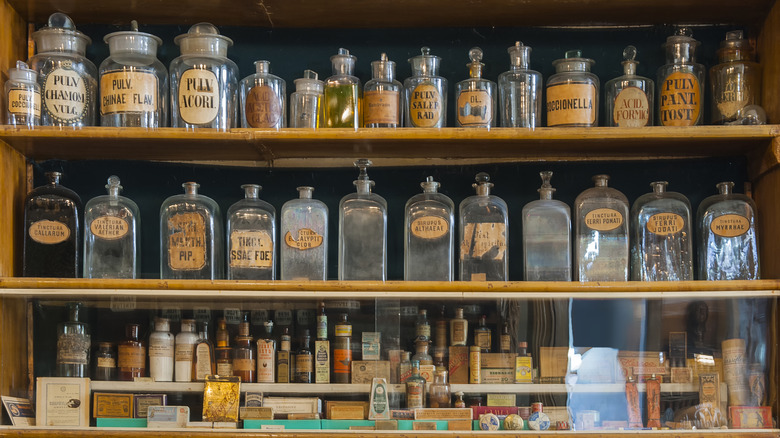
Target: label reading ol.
(198, 96)
(381, 107)
(475, 108)
(730, 225)
(263, 108)
(429, 227)
(425, 106)
(251, 249)
(24, 102)
(66, 95)
(187, 241)
(664, 224)
(307, 239)
(484, 239)
(128, 92)
(680, 103)
(571, 104)
(631, 108)
(603, 219)
(49, 232)
(109, 227)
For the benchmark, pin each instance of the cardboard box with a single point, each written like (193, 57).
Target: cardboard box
(345, 424)
(459, 364)
(284, 424)
(62, 401)
(121, 422)
(750, 417)
(459, 425)
(255, 413)
(346, 410)
(411, 425)
(553, 361)
(165, 417)
(292, 405)
(635, 361)
(705, 365)
(282, 367)
(497, 376)
(386, 425)
(497, 360)
(427, 372)
(499, 411)
(141, 403)
(112, 405)
(443, 414)
(502, 400)
(524, 372)
(364, 371)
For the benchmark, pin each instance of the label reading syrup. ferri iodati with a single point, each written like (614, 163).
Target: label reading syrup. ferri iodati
(475, 108)
(251, 249)
(49, 232)
(307, 239)
(680, 100)
(571, 104)
(128, 92)
(187, 241)
(429, 227)
(24, 102)
(425, 106)
(664, 224)
(603, 219)
(66, 95)
(198, 96)
(381, 107)
(484, 239)
(631, 108)
(109, 227)
(730, 225)
(262, 108)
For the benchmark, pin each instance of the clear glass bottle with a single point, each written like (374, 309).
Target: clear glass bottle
(440, 392)
(736, 81)
(422, 329)
(263, 99)
(728, 238)
(662, 242)
(404, 367)
(546, 236)
(573, 92)
(266, 355)
(602, 242)
(73, 345)
(415, 388)
(223, 352)
(484, 233)
(459, 328)
(306, 102)
(161, 351)
(22, 97)
(112, 235)
(184, 350)
(628, 99)
(520, 90)
(204, 82)
(131, 355)
(505, 339)
(105, 362)
(304, 361)
(382, 96)
(68, 79)
(304, 228)
(52, 223)
(680, 82)
(251, 237)
(429, 235)
(133, 82)
(244, 360)
(342, 94)
(483, 336)
(191, 236)
(203, 357)
(363, 231)
(342, 351)
(476, 97)
(425, 93)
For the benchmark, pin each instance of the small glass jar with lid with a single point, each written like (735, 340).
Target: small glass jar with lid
(105, 362)
(440, 392)
(425, 93)
(628, 98)
(736, 80)
(475, 96)
(681, 82)
(382, 96)
(520, 91)
(306, 101)
(573, 92)
(343, 93)
(263, 99)
(22, 97)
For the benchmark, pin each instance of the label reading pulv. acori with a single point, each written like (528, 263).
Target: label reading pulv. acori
(381, 107)
(128, 92)
(263, 108)
(425, 106)
(307, 239)
(680, 100)
(631, 108)
(198, 96)
(603, 219)
(65, 95)
(664, 224)
(109, 227)
(571, 104)
(187, 241)
(251, 249)
(24, 102)
(730, 225)
(49, 232)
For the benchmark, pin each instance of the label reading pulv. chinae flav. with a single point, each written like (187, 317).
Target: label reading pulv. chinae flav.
(128, 92)
(429, 227)
(603, 219)
(631, 108)
(198, 96)
(730, 225)
(24, 102)
(49, 232)
(665, 224)
(186, 241)
(425, 106)
(251, 249)
(263, 108)
(66, 95)
(109, 227)
(680, 103)
(571, 104)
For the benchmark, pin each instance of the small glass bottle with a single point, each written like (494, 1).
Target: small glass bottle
(546, 236)
(204, 82)
(112, 235)
(728, 238)
(363, 231)
(263, 99)
(520, 91)
(421, 353)
(304, 360)
(573, 92)
(23, 97)
(483, 336)
(602, 248)
(73, 345)
(131, 355)
(68, 79)
(185, 350)
(304, 228)
(105, 362)
(191, 236)
(251, 237)
(266, 355)
(425, 103)
(342, 95)
(404, 367)
(244, 361)
(476, 97)
(628, 99)
(415, 388)
(161, 351)
(429, 235)
(459, 328)
(736, 81)
(441, 327)
(342, 351)
(422, 329)
(203, 356)
(459, 402)
(382, 96)
(306, 102)
(505, 339)
(52, 223)
(681, 82)
(440, 393)
(133, 82)
(283, 364)
(484, 233)
(223, 352)
(661, 228)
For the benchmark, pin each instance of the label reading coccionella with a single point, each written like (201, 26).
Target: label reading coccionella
(571, 104)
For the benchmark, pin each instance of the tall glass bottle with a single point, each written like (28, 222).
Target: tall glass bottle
(728, 238)
(131, 355)
(161, 351)
(184, 350)
(306, 101)
(382, 96)
(425, 93)
(204, 82)
(304, 228)
(415, 388)
(191, 236)
(112, 235)
(343, 93)
(483, 336)
(304, 361)
(263, 99)
(203, 360)
(546, 236)
(52, 224)
(363, 231)
(429, 235)
(628, 99)
(133, 82)
(484, 233)
(251, 237)
(22, 97)
(520, 91)
(342, 351)
(73, 345)
(602, 242)
(266, 355)
(680, 82)
(68, 79)
(244, 360)
(661, 231)
(223, 352)
(573, 92)
(736, 81)
(476, 97)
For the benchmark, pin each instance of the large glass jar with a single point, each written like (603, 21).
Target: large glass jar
(736, 81)
(425, 93)
(573, 92)
(546, 236)
(681, 82)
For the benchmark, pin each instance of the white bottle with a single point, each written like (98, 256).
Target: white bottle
(185, 349)
(161, 347)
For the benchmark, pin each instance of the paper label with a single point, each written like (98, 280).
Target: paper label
(224, 369)
(730, 225)
(664, 224)
(304, 363)
(266, 361)
(131, 356)
(243, 364)
(49, 232)
(202, 361)
(680, 100)
(184, 352)
(161, 349)
(24, 102)
(232, 315)
(198, 96)
(106, 362)
(187, 241)
(343, 330)
(430, 227)
(414, 395)
(571, 104)
(66, 96)
(128, 92)
(263, 107)
(735, 95)
(425, 106)
(63, 404)
(381, 107)
(458, 331)
(603, 219)
(483, 239)
(631, 108)
(109, 227)
(342, 361)
(73, 349)
(475, 108)
(307, 239)
(251, 249)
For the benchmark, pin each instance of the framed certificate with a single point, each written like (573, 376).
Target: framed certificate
(62, 402)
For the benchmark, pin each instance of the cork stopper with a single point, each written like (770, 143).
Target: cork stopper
(546, 190)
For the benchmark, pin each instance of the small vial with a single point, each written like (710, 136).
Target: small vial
(263, 98)
(306, 101)
(382, 96)
(23, 97)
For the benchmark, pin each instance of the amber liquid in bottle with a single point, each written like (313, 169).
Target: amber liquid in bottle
(224, 352)
(304, 360)
(131, 357)
(342, 351)
(203, 360)
(244, 362)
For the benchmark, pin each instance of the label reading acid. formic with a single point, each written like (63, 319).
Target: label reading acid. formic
(198, 96)
(263, 108)
(128, 92)
(65, 95)
(425, 106)
(24, 102)
(475, 108)
(187, 241)
(571, 104)
(680, 102)
(251, 249)
(631, 108)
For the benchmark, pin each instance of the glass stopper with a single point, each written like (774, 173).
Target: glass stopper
(573, 54)
(425, 51)
(134, 26)
(309, 74)
(429, 185)
(475, 54)
(58, 19)
(363, 164)
(113, 186)
(629, 53)
(601, 180)
(191, 188)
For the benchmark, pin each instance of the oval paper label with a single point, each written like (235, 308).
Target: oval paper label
(307, 239)
(49, 232)
(425, 106)
(263, 108)
(109, 227)
(631, 108)
(198, 96)
(665, 224)
(603, 219)
(429, 227)
(65, 95)
(680, 100)
(730, 225)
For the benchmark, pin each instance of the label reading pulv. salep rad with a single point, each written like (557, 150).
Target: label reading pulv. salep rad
(128, 92)
(187, 241)
(680, 103)
(571, 104)
(66, 95)
(198, 96)
(425, 106)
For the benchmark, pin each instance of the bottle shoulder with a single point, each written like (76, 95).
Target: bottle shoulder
(597, 195)
(357, 200)
(551, 205)
(423, 200)
(298, 203)
(57, 191)
(189, 203)
(482, 201)
(519, 75)
(251, 204)
(734, 203)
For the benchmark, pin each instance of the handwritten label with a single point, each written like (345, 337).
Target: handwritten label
(680, 100)
(24, 102)
(186, 241)
(198, 96)
(664, 224)
(251, 249)
(603, 219)
(49, 232)
(66, 95)
(307, 239)
(735, 95)
(263, 108)
(381, 107)
(571, 104)
(730, 225)
(475, 108)
(631, 108)
(109, 227)
(425, 106)
(128, 92)
(484, 240)
(429, 227)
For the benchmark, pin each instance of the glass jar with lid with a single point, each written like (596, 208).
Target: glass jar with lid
(680, 82)
(382, 96)
(425, 93)
(22, 97)
(736, 80)
(573, 92)
(306, 101)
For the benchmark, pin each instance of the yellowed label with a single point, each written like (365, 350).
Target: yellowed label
(243, 365)
(603, 219)
(202, 361)
(680, 100)
(184, 352)
(523, 369)
(49, 232)
(484, 239)
(665, 224)
(571, 104)
(631, 108)
(23, 102)
(66, 95)
(109, 227)
(198, 96)
(128, 92)
(251, 249)
(425, 106)
(131, 356)
(730, 225)
(429, 227)
(266, 361)
(186, 241)
(475, 108)
(106, 362)
(735, 95)
(381, 107)
(263, 108)
(307, 239)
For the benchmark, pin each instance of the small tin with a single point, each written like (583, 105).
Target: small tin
(537, 407)
(488, 422)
